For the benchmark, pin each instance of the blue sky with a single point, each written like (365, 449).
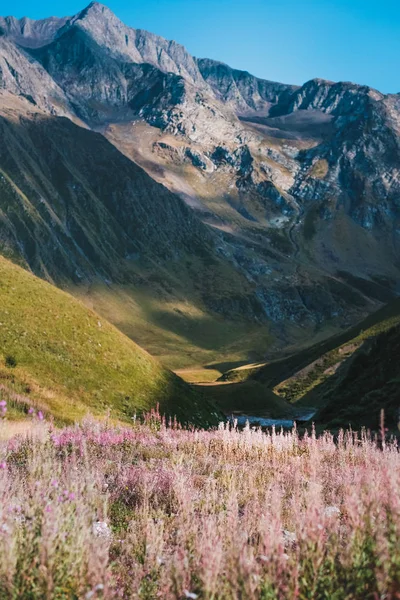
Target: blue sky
(283, 40)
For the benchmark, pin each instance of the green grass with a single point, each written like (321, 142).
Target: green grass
(274, 373)
(199, 375)
(303, 382)
(366, 384)
(179, 333)
(64, 358)
(248, 397)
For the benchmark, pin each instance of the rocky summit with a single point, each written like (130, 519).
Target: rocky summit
(131, 170)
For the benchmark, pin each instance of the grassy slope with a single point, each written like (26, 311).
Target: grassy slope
(274, 373)
(367, 383)
(349, 377)
(179, 332)
(70, 361)
(304, 388)
(250, 398)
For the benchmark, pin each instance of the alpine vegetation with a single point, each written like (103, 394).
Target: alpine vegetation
(156, 511)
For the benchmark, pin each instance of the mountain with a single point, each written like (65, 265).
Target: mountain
(366, 385)
(206, 212)
(62, 358)
(29, 33)
(241, 90)
(77, 212)
(347, 379)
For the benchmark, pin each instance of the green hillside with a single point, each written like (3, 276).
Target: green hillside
(363, 386)
(275, 372)
(306, 386)
(61, 357)
(348, 378)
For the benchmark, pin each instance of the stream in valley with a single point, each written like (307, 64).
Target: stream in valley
(302, 416)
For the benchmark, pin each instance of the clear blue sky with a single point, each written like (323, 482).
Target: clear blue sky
(283, 40)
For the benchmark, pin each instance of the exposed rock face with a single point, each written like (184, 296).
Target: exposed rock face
(31, 34)
(133, 45)
(23, 76)
(339, 99)
(298, 188)
(241, 90)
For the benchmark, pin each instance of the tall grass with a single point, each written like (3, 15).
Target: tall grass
(152, 511)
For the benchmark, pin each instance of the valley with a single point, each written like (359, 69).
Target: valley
(218, 220)
(199, 303)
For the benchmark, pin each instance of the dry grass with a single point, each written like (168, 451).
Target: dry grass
(199, 375)
(27, 429)
(320, 169)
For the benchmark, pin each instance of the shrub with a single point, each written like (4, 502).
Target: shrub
(10, 361)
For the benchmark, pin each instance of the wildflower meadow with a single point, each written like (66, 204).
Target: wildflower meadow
(156, 511)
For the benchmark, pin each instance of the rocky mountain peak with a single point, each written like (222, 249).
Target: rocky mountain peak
(134, 45)
(29, 33)
(98, 7)
(96, 10)
(291, 175)
(337, 98)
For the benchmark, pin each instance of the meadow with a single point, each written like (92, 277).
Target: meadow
(152, 511)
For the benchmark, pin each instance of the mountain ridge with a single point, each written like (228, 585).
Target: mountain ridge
(296, 187)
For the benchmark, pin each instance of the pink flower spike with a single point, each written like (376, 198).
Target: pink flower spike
(3, 465)
(31, 411)
(40, 415)
(3, 403)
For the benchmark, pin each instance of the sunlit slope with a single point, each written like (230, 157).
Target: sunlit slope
(62, 357)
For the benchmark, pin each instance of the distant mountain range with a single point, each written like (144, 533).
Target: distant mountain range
(179, 196)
